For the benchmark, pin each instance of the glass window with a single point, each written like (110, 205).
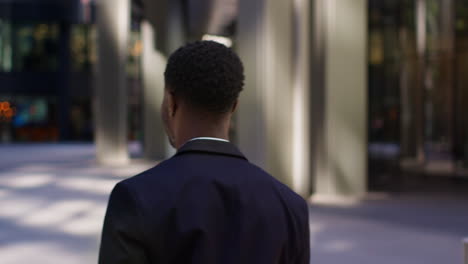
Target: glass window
(5, 46)
(28, 46)
(28, 118)
(83, 47)
(461, 82)
(134, 57)
(418, 61)
(35, 47)
(385, 61)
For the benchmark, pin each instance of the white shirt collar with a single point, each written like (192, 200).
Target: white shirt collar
(209, 138)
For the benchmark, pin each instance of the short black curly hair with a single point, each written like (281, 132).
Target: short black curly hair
(207, 75)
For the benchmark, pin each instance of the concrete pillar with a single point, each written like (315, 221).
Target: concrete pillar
(251, 116)
(169, 21)
(272, 119)
(175, 27)
(301, 153)
(317, 98)
(341, 146)
(155, 146)
(446, 76)
(421, 45)
(113, 24)
(465, 250)
(163, 33)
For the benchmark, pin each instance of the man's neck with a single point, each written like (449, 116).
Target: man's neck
(191, 130)
(192, 124)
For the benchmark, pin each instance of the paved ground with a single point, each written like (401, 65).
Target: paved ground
(53, 197)
(406, 229)
(52, 202)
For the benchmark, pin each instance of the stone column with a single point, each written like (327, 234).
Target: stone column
(163, 33)
(272, 120)
(169, 22)
(421, 41)
(317, 98)
(301, 153)
(155, 147)
(113, 24)
(465, 249)
(341, 146)
(251, 116)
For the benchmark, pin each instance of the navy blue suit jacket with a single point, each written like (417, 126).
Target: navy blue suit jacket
(205, 205)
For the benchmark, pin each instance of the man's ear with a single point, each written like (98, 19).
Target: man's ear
(171, 103)
(235, 105)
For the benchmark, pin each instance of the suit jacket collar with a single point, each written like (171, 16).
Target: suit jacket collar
(211, 146)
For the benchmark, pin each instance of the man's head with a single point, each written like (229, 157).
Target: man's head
(203, 81)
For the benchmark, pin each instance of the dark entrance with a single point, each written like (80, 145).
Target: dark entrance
(418, 92)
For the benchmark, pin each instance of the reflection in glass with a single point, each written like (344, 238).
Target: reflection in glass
(5, 46)
(83, 48)
(36, 47)
(418, 80)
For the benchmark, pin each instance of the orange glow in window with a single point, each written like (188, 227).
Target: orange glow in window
(6, 112)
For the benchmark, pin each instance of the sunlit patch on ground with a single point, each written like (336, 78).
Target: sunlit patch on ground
(52, 202)
(26, 180)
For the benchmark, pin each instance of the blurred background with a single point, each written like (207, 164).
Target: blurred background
(358, 105)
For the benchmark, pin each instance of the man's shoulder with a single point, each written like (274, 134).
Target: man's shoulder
(167, 178)
(178, 167)
(291, 195)
(156, 186)
(171, 174)
(155, 175)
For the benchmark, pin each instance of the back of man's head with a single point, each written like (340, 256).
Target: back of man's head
(206, 75)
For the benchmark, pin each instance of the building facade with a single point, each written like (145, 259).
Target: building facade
(48, 59)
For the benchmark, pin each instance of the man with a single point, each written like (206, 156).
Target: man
(207, 204)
